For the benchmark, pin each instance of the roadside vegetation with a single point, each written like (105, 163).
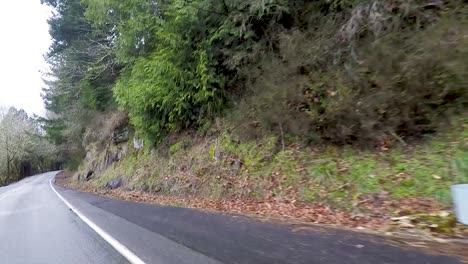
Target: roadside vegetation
(221, 167)
(24, 149)
(354, 105)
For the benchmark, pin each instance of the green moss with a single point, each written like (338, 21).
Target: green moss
(175, 147)
(129, 163)
(437, 223)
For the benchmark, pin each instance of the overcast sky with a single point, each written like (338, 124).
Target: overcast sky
(24, 39)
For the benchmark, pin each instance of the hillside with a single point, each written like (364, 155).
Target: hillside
(345, 111)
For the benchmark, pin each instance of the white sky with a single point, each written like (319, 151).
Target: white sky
(24, 38)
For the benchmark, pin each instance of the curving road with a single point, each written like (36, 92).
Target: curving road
(36, 226)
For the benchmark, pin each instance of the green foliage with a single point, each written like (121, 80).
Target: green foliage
(177, 55)
(348, 72)
(177, 86)
(23, 148)
(175, 147)
(301, 69)
(132, 23)
(252, 154)
(460, 167)
(354, 80)
(165, 95)
(83, 70)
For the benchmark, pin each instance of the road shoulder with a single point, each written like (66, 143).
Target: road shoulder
(234, 239)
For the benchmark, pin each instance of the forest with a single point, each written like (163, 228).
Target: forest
(322, 72)
(24, 148)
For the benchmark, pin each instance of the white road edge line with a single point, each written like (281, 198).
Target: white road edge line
(5, 194)
(123, 250)
(13, 190)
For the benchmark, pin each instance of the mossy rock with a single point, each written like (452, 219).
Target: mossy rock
(438, 223)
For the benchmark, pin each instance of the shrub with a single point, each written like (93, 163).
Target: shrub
(199, 45)
(177, 86)
(357, 80)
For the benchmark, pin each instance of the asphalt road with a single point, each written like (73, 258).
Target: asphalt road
(37, 227)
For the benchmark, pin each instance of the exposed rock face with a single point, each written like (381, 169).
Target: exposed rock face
(106, 152)
(122, 152)
(113, 155)
(86, 176)
(111, 158)
(120, 135)
(89, 175)
(114, 184)
(89, 156)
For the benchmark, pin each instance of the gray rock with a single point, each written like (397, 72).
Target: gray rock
(89, 156)
(114, 184)
(120, 135)
(157, 188)
(138, 143)
(177, 188)
(153, 188)
(168, 184)
(111, 158)
(89, 175)
(237, 166)
(144, 187)
(119, 156)
(153, 152)
(216, 154)
(115, 156)
(102, 166)
(122, 152)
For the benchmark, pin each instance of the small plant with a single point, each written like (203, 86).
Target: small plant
(175, 147)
